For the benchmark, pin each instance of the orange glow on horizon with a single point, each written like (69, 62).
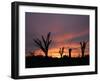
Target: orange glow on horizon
(54, 52)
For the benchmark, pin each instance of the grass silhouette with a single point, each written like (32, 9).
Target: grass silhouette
(41, 61)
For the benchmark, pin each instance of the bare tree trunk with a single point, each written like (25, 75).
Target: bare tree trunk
(83, 46)
(61, 51)
(83, 50)
(70, 50)
(46, 54)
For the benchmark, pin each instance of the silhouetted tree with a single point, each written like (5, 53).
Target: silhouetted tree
(44, 43)
(70, 50)
(83, 46)
(61, 51)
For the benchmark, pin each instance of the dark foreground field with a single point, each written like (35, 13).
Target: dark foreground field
(38, 61)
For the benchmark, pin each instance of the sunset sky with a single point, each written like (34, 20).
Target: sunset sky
(66, 31)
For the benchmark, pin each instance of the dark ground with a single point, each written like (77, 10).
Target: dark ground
(38, 61)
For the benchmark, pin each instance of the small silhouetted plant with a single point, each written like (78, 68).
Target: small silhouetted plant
(44, 43)
(61, 51)
(83, 46)
(32, 53)
(79, 56)
(70, 50)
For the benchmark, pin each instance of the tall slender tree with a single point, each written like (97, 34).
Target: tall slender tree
(44, 43)
(70, 50)
(83, 46)
(61, 51)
